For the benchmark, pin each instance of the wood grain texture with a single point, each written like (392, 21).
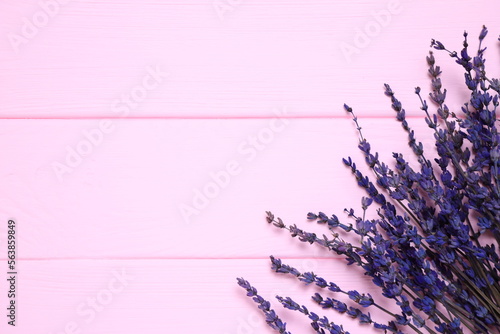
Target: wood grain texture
(157, 188)
(118, 210)
(85, 59)
(163, 296)
(149, 138)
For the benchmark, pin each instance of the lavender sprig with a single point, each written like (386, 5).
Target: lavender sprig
(318, 324)
(272, 318)
(364, 300)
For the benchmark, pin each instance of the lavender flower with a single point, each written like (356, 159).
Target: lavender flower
(433, 248)
(272, 318)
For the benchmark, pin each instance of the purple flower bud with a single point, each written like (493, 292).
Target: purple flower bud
(437, 45)
(483, 33)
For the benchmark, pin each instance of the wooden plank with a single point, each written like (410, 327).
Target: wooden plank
(157, 296)
(179, 188)
(224, 58)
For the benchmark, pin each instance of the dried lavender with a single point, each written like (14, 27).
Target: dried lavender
(433, 248)
(272, 318)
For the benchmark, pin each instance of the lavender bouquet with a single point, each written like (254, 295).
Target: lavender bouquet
(433, 250)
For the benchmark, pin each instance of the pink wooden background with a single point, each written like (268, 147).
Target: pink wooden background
(141, 143)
